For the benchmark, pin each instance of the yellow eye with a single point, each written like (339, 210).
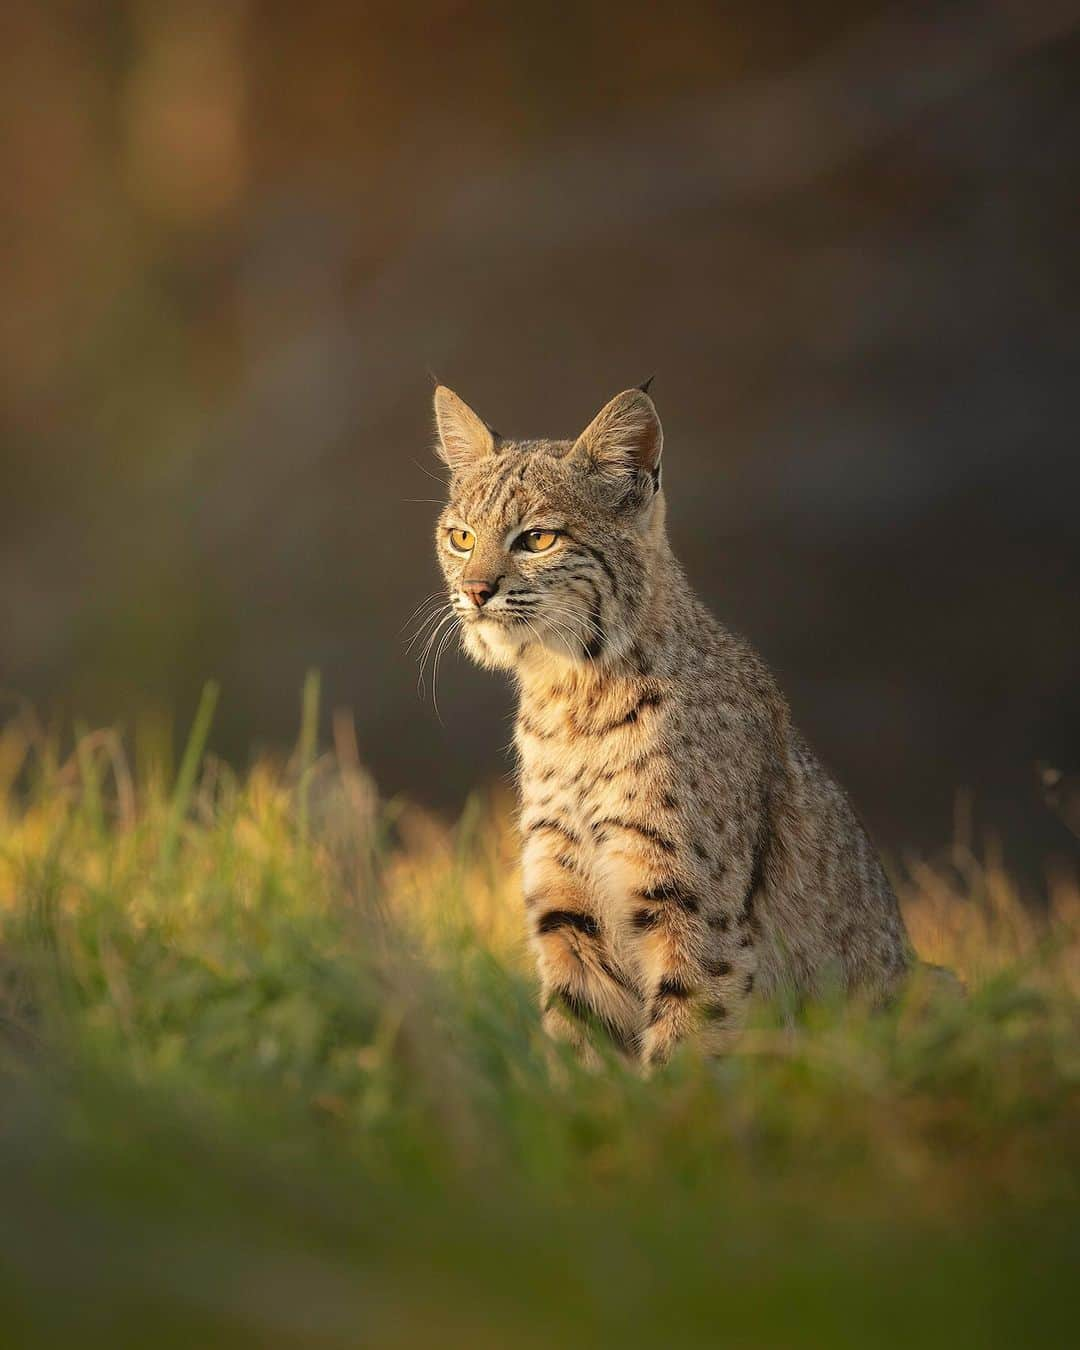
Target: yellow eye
(462, 540)
(539, 541)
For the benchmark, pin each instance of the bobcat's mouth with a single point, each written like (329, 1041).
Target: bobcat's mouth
(500, 618)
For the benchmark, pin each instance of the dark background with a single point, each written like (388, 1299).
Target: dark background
(238, 237)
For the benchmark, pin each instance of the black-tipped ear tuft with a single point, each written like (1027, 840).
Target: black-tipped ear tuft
(645, 387)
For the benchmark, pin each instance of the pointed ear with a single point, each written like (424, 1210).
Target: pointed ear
(625, 435)
(463, 437)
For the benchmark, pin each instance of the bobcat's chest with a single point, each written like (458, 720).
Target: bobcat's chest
(592, 789)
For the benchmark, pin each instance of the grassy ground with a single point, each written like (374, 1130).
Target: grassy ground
(270, 1075)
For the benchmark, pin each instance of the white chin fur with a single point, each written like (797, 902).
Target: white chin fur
(499, 647)
(494, 644)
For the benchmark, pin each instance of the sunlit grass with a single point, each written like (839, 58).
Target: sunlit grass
(272, 1074)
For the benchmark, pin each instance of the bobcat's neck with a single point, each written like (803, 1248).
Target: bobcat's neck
(645, 648)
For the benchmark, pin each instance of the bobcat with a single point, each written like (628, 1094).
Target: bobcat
(681, 846)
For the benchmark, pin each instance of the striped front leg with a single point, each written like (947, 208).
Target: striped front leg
(583, 990)
(695, 975)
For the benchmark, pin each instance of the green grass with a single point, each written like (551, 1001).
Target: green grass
(271, 1075)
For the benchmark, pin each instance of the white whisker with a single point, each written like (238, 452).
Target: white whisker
(446, 619)
(425, 625)
(447, 637)
(427, 600)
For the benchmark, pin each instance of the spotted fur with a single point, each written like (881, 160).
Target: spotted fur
(681, 846)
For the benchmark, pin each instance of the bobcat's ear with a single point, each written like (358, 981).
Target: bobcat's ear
(463, 437)
(625, 436)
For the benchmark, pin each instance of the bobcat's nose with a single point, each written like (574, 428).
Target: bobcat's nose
(479, 592)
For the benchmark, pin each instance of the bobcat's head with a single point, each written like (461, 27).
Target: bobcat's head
(549, 544)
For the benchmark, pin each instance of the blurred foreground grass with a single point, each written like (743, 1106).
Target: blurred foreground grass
(271, 1075)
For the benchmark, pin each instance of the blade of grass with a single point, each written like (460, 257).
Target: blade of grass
(189, 767)
(309, 731)
(90, 773)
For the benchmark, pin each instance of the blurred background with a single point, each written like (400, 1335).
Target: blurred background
(238, 238)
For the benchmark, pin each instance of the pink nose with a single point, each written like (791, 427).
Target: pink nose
(479, 592)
